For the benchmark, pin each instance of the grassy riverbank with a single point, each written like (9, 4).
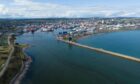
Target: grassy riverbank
(15, 64)
(4, 51)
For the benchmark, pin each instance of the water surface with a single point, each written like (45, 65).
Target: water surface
(55, 62)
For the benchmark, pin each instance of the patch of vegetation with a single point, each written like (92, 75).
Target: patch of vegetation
(2, 61)
(4, 51)
(74, 39)
(14, 66)
(23, 45)
(65, 38)
(3, 40)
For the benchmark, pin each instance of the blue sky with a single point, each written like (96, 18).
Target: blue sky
(69, 8)
(117, 3)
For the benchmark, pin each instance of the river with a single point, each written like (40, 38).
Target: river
(55, 62)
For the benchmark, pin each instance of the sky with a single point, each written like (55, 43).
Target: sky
(69, 8)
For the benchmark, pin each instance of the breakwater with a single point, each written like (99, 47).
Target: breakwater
(102, 51)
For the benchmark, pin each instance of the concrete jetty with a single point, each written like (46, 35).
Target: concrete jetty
(102, 51)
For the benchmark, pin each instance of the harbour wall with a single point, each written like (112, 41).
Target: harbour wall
(102, 51)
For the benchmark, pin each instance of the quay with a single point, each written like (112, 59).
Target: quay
(131, 58)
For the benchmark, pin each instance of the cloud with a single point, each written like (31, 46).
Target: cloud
(3, 10)
(31, 9)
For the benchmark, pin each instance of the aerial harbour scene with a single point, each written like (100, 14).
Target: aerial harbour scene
(62, 42)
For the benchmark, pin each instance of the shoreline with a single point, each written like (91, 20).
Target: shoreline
(99, 33)
(23, 70)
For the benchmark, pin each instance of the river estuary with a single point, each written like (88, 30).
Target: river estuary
(55, 62)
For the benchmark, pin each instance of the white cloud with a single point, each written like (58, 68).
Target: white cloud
(3, 10)
(31, 9)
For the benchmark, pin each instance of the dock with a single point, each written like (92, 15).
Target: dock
(131, 58)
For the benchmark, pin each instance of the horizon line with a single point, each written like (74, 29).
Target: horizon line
(69, 17)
